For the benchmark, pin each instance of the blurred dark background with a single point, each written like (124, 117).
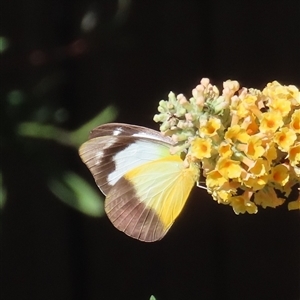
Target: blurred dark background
(62, 63)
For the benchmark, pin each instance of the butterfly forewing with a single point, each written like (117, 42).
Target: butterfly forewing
(110, 157)
(115, 148)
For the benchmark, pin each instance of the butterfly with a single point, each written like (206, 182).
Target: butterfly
(146, 187)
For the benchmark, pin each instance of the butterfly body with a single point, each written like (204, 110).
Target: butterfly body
(145, 186)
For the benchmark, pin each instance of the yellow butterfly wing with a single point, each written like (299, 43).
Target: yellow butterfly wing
(146, 187)
(145, 202)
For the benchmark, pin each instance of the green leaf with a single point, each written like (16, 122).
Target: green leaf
(64, 137)
(77, 193)
(80, 135)
(4, 44)
(41, 131)
(2, 192)
(152, 298)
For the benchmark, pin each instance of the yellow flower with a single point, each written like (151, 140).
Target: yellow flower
(225, 150)
(294, 155)
(214, 178)
(267, 198)
(224, 193)
(221, 196)
(270, 122)
(254, 149)
(288, 187)
(229, 168)
(295, 95)
(297, 171)
(256, 183)
(295, 204)
(246, 105)
(285, 138)
(211, 127)
(235, 132)
(280, 174)
(270, 152)
(246, 141)
(274, 90)
(281, 105)
(295, 121)
(201, 148)
(242, 111)
(242, 204)
(250, 125)
(260, 167)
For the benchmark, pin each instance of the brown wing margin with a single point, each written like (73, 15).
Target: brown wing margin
(122, 129)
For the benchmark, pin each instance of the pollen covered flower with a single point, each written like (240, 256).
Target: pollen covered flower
(246, 141)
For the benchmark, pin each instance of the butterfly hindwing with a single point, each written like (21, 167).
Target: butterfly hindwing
(147, 200)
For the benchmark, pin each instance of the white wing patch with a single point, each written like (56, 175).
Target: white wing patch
(136, 154)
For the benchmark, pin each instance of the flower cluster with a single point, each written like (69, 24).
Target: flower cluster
(246, 141)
